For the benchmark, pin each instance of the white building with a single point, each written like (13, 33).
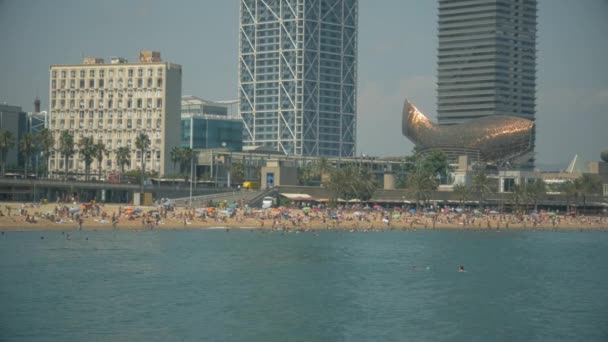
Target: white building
(113, 103)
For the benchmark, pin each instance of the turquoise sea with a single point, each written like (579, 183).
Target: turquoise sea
(193, 285)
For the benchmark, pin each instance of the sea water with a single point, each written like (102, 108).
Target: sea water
(242, 285)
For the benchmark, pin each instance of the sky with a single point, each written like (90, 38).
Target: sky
(397, 60)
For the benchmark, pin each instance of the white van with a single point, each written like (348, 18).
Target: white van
(267, 202)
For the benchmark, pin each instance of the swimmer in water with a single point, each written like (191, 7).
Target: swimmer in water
(461, 268)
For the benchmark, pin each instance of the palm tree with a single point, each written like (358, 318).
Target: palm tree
(142, 143)
(365, 184)
(175, 155)
(7, 141)
(588, 185)
(420, 183)
(462, 193)
(535, 191)
(237, 172)
(570, 189)
(123, 157)
(46, 142)
(185, 158)
(482, 185)
(87, 151)
(100, 152)
(66, 146)
(27, 146)
(518, 195)
(324, 168)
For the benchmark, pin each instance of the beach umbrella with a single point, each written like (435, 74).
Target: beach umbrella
(459, 210)
(138, 210)
(210, 209)
(396, 216)
(128, 211)
(357, 213)
(306, 209)
(377, 207)
(412, 211)
(74, 210)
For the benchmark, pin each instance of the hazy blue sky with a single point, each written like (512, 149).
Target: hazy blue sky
(397, 59)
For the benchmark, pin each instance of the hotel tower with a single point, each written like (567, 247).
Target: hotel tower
(486, 59)
(298, 75)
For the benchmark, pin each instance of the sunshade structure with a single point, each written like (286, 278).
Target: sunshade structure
(298, 197)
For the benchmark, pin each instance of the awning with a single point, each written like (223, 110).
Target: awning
(298, 197)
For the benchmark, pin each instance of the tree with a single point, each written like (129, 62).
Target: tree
(588, 184)
(462, 192)
(7, 141)
(570, 189)
(175, 155)
(340, 182)
(142, 143)
(535, 190)
(420, 183)
(100, 152)
(87, 151)
(365, 184)
(185, 159)
(482, 185)
(324, 169)
(123, 157)
(306, 173)
(518, 196)
(46, 142)
(436, 163)
(66, 147)
(27, 147)
(237, 172)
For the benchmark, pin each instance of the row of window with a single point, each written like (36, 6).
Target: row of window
(102, 93)
(110, 113)
(108, 124)
(119, 84)
(101, 73)
(91, 104)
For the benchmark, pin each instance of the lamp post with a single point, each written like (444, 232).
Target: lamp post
(191, 159)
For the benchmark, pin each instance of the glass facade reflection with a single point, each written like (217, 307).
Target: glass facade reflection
(212, 133)
(206, 124)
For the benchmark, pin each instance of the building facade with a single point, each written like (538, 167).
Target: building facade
(14, 120)
(298, 75)
(113, 103)
(486, 59)
(206, 124)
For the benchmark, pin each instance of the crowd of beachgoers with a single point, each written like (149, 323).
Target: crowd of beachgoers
(92, 215)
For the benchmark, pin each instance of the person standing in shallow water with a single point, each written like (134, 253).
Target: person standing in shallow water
(80, 222)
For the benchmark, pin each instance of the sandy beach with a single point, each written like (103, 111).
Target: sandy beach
(73, 216)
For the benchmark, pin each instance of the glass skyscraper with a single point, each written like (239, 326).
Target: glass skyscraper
(298, 75)
(486, 59)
